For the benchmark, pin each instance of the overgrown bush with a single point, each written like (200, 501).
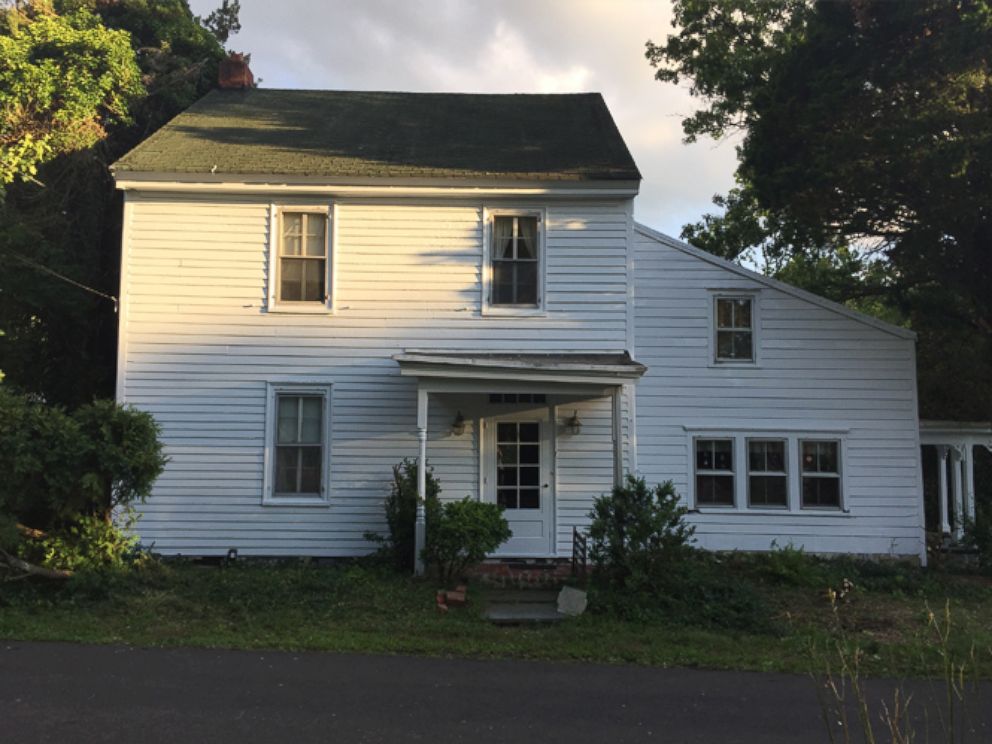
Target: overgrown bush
(636, 532)
(978, 535)
(66, 474)
(401, 514)
(462, 534)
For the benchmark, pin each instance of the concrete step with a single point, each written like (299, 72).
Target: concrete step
(516, 613)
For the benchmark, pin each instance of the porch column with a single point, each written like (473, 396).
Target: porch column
(945, 525)
(957, 492)
(420, 526)
(617, 437)
(969, 481)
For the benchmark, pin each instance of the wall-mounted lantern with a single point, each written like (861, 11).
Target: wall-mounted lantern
(573, 425)
(458, 425)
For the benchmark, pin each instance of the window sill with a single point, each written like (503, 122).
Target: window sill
(771, 511)
(301, 310)
(517, 312)
(275, 501)
(733, 365)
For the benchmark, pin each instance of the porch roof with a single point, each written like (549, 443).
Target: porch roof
(956, 433)
(611, 369)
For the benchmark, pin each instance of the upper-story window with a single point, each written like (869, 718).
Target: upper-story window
(515, 277)
(301, 260)
(734, 330)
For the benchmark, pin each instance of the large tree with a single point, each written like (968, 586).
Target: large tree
(57, 339)
(865, 159)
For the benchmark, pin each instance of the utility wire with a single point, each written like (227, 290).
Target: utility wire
(63, 277)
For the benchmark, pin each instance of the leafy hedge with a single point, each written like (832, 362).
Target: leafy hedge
(64, 473)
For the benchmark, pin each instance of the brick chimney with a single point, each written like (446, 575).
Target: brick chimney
(233, 73)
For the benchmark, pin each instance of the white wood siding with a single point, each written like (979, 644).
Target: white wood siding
(198, 347)
(818, 370)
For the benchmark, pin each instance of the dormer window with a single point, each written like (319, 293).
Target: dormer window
(734, 321)
(515, 275)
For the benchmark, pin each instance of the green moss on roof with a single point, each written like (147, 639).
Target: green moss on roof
(399, 135)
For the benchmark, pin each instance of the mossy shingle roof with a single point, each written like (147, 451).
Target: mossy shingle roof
(340, 134)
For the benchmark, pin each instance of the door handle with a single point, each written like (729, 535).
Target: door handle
(545, 485)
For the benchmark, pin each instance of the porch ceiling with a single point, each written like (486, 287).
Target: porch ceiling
(575, 368)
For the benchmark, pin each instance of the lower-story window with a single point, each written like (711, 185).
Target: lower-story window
(767, 482)
(820, 463)
(297, 444)
(715, 472)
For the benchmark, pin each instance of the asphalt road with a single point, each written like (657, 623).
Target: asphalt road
(51, 692)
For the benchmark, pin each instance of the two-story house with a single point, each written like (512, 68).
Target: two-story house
(318, 284)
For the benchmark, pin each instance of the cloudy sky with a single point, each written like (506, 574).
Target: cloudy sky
(500, 46)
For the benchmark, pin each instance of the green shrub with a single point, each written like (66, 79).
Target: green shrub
(978, 536)
(636, 533)
(462, 534)
(401, 514)
(66, 475)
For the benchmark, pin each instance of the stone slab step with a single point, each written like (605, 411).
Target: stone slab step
(515, 613)
(523, 596)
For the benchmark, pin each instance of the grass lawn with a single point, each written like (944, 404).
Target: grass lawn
(354, 608)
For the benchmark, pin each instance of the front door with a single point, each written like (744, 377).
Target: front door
(518, 477)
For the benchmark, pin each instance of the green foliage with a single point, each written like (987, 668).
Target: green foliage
(865, 129)
(462, 534)
(401, 514)
(647, 570)
(637, 534)
(56, 340)
(66, 475)
(63, 79)
(88, 543)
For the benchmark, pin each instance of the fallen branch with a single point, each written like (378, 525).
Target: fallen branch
(29, 569)
(30, 532)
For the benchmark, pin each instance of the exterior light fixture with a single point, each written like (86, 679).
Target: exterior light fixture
(573, 424)
(458, 425)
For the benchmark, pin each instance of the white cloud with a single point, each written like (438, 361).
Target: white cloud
(501, 46)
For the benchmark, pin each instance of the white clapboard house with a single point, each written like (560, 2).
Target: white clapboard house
(318, 284)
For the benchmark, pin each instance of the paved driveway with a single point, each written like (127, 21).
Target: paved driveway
(52, 692)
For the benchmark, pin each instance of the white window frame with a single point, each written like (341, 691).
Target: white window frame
(734, 460)
(784, 474)
(276, 212)
(487, 307)
(839, 475)
(309, 388)
(793, 436)
(734, 294)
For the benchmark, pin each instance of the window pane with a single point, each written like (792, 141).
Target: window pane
(313, 279)
(503, 274)
(527, 283)
(530, 432)
(529, 454)
(287, 417)
(527, 236)
(725, 344)
(506, 476)
(530, 498)
(756, 455)
(704, 455)
(503, 237)
(315, 245)
(742, 345)
(530, 476)
(506, 454)
(742, 313)
(715, 490)
(768, 490)
(290, 280)
(828, 457)
(310, 478)
(286, 469)
(507, 498)
(506, 432)
(723, 454)
(821, 492)
(313, 415)
(724, 313)
(775, 456)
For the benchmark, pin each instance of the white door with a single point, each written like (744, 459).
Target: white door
(518, 477)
